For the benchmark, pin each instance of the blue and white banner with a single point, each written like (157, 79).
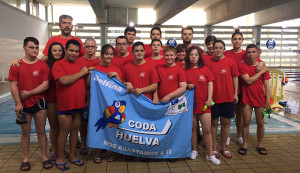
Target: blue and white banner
(134, 126)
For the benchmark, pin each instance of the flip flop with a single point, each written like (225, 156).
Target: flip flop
(83, 150)
(261, 150)
(64, 166)
(242, 151)
(97, 160)
(216, 154)
(77, 161)
(23, 165)
(52, 156)
(226, 154)
(112, 158)
(47, 162)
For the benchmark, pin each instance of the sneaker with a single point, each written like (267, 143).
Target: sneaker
(213, 160)
(228, 141)
(239, 140)
(194, 154)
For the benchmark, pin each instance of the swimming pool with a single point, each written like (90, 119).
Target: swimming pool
(10, 131)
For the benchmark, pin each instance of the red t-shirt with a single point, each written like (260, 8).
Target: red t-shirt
(206, 57)
(223, 71)
(156, 62)
(182, 65)
(87, 62)
(71, 96)
(121, 61)
(140, 76)
(148, 50)
(51, 92)
(237, 57)
(30, 76)
(63, 41)
(199, 77)
(253, 94)
(169, 79)
(107, 69)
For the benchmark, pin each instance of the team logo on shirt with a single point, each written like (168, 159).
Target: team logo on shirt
(201, 78)
(170, 77)
(223, 71)
(142, 74)
(35, 73)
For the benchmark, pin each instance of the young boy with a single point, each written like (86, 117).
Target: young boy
(140, 76)
(156, 59)
(71, 100)
(256, 94)
(28, 84)
(172, 78)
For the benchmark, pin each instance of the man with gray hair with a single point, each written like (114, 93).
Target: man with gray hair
(66, 26)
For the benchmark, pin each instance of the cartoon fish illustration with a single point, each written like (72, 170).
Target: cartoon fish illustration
(112, 115)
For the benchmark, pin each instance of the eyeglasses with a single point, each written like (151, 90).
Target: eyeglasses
(90, 47)
(121, 44)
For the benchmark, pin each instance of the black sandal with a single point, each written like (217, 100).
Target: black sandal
(47, 162)
(261, 150)
(242, 151)
(23, 165)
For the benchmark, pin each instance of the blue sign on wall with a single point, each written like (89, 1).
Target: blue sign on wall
(271, 44)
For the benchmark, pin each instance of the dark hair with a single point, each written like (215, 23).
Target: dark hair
(181, 48)
(219, 41)
(187, 58)
(105, 48)
(156, 40)
(237, 31)
(75, 42)
(32, 39)
(121, 37)
(50, 61)
(129, 29)
(137, 44)
(156, 28)
(187, 28)
(170, 48)
(64, 16)
(209, 39)
(252, 46)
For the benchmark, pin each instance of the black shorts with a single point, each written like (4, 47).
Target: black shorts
(240, 99)
(225, 110)
(41, 105)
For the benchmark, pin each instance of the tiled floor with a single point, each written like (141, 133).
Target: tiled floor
(283, 156)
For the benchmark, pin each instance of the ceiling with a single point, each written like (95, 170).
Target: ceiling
(201, 4)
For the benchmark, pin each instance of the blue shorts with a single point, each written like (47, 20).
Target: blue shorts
(225, 110)
(71, 112)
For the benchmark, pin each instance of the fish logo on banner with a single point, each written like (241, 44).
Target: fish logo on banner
(177, 106)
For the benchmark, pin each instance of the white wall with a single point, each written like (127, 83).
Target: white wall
(15, 25)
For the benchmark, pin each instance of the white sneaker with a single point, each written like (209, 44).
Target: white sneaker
(194, 154)
(239, 140)
(213, 160)
(228, 141)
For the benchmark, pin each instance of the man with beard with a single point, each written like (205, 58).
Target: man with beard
(187, 36)
(66, 26)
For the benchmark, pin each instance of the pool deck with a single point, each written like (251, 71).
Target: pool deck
(283, 155)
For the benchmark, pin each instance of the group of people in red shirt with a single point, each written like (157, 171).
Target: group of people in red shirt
(225, 83)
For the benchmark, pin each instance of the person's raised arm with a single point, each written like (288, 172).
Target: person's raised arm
(178, 92)
(250, 80)
(69, 79)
